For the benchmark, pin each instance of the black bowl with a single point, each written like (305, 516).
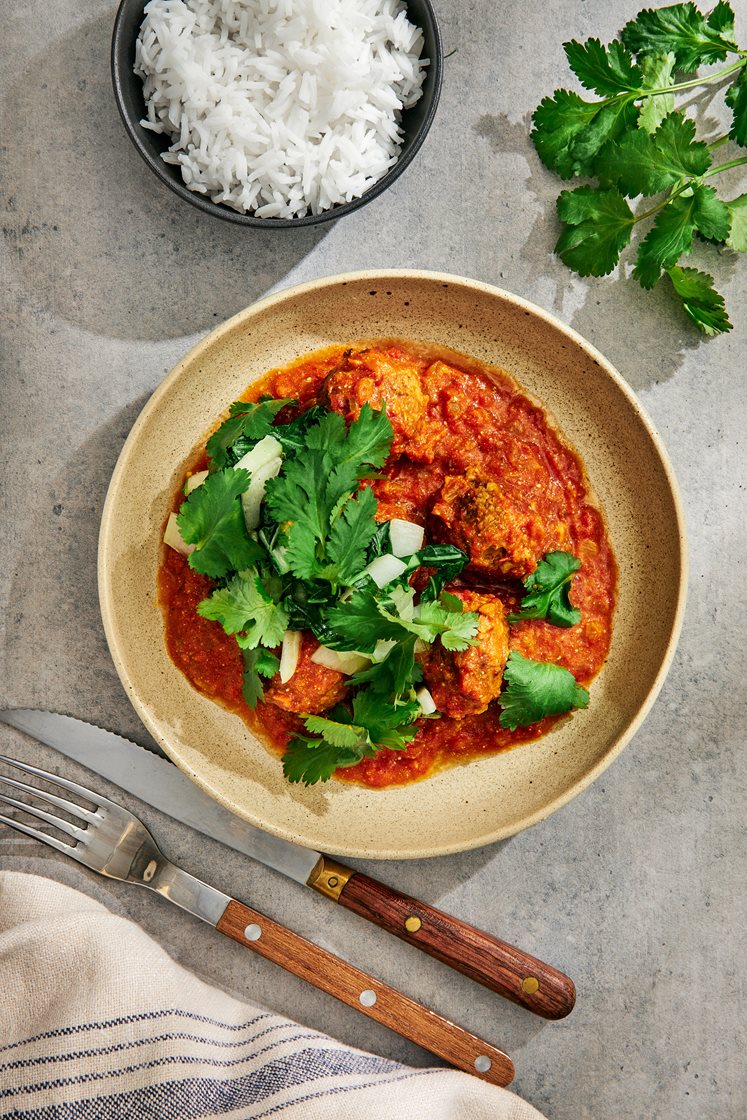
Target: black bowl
(128, 90)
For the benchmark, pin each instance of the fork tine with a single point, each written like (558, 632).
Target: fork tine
(57, 822)
(37, 834)
(72, 787)
(53, 799)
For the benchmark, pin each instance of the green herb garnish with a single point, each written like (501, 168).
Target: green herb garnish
(248, 423)
(246, 608)
(257, 662)
(329, 529)
(548, 591)
(536, 689)
(212, 521)
(634, 142)
(305, 567)
(345, 738)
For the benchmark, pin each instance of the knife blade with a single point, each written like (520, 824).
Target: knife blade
(495, 964)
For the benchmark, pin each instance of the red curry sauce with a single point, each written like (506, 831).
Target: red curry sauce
(475, 419)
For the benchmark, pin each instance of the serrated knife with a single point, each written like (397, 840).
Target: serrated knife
(489, 961)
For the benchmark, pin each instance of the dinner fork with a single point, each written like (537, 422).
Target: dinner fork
(112, 841)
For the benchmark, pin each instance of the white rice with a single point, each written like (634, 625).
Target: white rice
(279, 107)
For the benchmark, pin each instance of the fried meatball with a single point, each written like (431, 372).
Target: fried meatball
(407, 491)
(463, 684)
(312, 688)
(505, 529)
(378, 377)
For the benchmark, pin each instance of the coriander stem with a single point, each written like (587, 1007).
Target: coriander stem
(671, 194)
(717, 143)
(724, 167)
(694, 81)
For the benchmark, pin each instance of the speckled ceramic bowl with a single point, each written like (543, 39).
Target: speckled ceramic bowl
(468, 805)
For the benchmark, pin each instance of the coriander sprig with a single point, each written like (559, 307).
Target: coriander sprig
(635, 142)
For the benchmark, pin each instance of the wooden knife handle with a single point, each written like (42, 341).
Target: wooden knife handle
(491, 962)
(372, 997)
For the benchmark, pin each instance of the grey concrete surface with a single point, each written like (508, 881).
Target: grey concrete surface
(637, 887)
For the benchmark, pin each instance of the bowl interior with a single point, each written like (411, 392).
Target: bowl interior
(468, 805)
(128, 90)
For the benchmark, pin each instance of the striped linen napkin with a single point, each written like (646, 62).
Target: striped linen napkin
(97, 1022)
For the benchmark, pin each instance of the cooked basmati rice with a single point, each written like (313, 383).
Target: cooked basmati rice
(279, 108)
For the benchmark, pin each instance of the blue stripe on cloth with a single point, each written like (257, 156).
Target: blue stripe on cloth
(196, 1097)
(141, 1017)
(154, 1063)
(115, 1048)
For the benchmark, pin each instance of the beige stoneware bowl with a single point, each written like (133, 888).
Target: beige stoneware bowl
(466, 806)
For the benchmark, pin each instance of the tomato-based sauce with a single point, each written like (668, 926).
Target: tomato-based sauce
(463, 436)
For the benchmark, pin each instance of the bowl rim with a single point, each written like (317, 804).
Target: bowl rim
(379, 275)
(226, 213)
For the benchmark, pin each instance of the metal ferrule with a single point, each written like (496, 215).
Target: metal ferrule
(329, 877)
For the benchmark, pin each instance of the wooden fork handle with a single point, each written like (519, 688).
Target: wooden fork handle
(373, 998)
(491, 962)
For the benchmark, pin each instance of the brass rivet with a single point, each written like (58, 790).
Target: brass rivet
(333, 880)
(413, 923)
(530, 985)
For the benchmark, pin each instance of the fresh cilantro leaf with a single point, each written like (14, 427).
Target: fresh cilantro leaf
(736, 99)
(448, 561)
(266, 663)
(359, 624)
(606, 70)
(293, 435)
(737, 238)
(451, 603)
(312, 489)
(307, 602)
(380, 541)
(310, 760)
(396, 674)
(670, 237)
(598, 227)
(388, 725)
(658, 71)
(548, 591)
(456, 628)
(348, 737)
(569, 133)
(559, 121)
(610, 121)
(712, 215)
(351, 535)
(672, 233)
(537, 689)
(722, 18)
(366, 619)
(211, 519)
(257, 661)
(244, 607)
(684, 31)
(298, 496)
(641, 163)
(700, 301)
(369, 439)
(252, 689)
(248, 422)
